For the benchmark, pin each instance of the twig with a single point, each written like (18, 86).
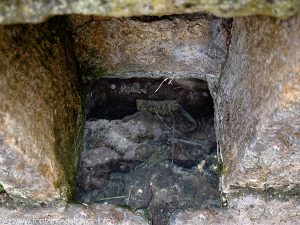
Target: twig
(168, 126)
(161, 84)
(129, 197)
(117, 197)
(170, 81)
(163, 121)
(173, 138)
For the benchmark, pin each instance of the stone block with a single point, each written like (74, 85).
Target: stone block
(40, 112)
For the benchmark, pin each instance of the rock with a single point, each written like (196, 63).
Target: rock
(165, 107)
(122, 136)
(258, 106)
(137, 187)
(99, 156)
(160, 188)
(187, 153)
(249, 209)
(182, 46)
(138, 136)
(150, 166)
(97, 163)
(128, 144)
(168, 107)
(175, 189)
(69, 214)
(40, 112)
(39, 10)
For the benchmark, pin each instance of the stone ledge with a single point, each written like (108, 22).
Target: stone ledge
(25, 11)
(249, 209)
(70, 214)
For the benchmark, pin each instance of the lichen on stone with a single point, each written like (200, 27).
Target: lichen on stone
(1, 189)
(25, 11)
(41, 112)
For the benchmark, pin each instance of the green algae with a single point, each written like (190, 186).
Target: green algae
(1, 189)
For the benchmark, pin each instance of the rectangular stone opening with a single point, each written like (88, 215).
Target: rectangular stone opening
(149, 145)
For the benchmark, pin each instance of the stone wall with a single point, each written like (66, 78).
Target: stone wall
(258, 104)
(40, 112)
(254, 81)
(175, 46)
(252, 68)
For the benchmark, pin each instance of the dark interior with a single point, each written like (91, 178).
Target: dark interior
(150, 146)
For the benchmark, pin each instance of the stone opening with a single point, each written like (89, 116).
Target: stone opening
(252, 67)
(150, 145)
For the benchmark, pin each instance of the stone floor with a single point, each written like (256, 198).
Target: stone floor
(246, 210)
(15, 212)
(249, 209)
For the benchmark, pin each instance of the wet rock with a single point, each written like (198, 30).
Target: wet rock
(40, 128)
(37, 11)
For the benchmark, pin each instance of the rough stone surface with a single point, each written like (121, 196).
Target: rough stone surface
(71, 214)
(21, 11)
(138, 161)
(249, 209)
(176, 46)
(258, 106)
(141, 137)
(256, 90)
(40, 112)
(255, 85)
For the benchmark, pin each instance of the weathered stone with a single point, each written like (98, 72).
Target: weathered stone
(176, 46)
(165, 107)
(40, 112)
(151, 162)
(258, 106)
(255, 85)
(121, 145)
(256, 89)
(249, 209)
(69, 214)
(38, 10)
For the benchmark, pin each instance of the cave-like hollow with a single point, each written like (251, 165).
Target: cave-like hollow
(149, 145)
